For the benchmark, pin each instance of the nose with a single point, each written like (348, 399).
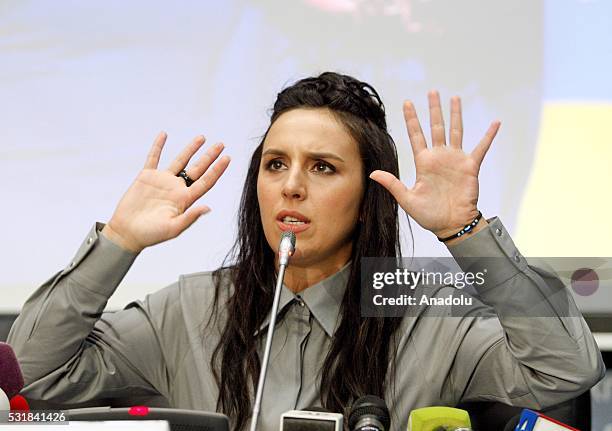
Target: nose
(294, 186)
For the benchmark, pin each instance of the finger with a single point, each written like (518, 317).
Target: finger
(436, 121)
(456, 123)
(155, 152)
(196, 170)
(485, 143)
(189, 217)
(415, 133)
(209, 179)
(400, 192)
(183, 158)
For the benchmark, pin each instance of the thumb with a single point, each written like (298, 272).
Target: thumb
(398, 190)
(189, 217)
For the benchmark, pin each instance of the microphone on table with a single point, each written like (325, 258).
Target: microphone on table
(439, 419)
(19, 403)
(534, 421)
(311, 419)
(369, 413)
(11, 379)
(286, 249)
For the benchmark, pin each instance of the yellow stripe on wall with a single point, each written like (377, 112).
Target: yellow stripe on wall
(567, 206)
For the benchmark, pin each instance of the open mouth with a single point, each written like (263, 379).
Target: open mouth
(293, 221)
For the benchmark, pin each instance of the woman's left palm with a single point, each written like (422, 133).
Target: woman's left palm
(445, 194)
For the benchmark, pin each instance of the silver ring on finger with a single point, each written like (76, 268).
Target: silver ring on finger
(187, 178)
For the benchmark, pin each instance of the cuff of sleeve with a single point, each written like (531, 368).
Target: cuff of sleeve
(492, 251)
(100, 263)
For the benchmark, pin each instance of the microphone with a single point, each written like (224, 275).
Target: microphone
(286, 247)
(369, 413)
(534, 421)
(285, 250)
(439, 419)
(311, 419)
(11, 379)
(19, 403)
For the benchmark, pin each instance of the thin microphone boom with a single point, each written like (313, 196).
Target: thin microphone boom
(285, 250)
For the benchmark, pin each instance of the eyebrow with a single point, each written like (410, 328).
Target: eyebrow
(311, 155)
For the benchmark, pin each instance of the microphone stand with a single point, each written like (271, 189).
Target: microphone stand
(284, 261)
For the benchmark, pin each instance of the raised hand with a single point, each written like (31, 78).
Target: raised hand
(158, 206)
(445, 194)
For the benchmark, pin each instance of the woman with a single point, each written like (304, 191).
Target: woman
(319, 172)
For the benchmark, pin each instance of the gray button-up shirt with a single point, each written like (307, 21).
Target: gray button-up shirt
(70, 352)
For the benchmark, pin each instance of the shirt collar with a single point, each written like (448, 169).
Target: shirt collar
(322, 299)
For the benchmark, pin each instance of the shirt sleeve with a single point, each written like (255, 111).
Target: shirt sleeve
(538, 350)
(72, 352)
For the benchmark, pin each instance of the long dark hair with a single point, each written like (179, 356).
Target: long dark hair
(362, 348)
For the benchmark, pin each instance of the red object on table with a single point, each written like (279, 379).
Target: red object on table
(19, 403)
(139, 411)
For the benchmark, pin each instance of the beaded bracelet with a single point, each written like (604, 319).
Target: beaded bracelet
(466, 229)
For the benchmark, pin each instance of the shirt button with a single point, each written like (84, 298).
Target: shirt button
(517, 258)
(71, 264)
(498, 232)
(89, 240)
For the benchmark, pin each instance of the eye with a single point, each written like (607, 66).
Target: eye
(324, 167)
(274, 165)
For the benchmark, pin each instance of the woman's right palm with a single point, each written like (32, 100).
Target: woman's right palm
(158, 205)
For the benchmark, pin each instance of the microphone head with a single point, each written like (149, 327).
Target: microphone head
(439, 417)
(11, 379)
(19, 403)
(290, 236)
(286, 247)
(369, 405)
